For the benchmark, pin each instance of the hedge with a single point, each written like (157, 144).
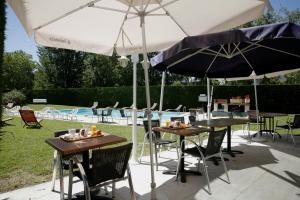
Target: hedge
(271, 98)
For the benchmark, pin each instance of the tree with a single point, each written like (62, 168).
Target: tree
(18, 69)
(63, 67)
(100, 71)
(2, 38)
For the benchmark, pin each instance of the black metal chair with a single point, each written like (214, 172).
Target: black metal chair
(157, 139)
(123, 115)
(108, 113)
(107, 166)
(253, 121)
(213, 148)
(290, 126)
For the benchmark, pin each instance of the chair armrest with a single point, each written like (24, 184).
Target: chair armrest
(84, 177)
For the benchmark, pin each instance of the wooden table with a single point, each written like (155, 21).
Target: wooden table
(65, 148)
(182, 133)
(223, 122)
(268, 116)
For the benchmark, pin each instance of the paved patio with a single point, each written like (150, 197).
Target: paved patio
(268, 170)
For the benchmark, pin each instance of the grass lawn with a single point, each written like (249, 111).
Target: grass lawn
(27, 160)
(25, 157)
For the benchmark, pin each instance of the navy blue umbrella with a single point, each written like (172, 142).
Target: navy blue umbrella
(234, 53)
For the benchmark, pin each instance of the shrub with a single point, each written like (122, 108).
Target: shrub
(14, 96)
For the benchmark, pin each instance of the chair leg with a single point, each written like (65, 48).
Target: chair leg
(156, 159)
(292, 136)
(113, 191)
(206, 175)
(177, 150)
(54, 169)
(70, 179)
(143, 147)
(178, 166)
(132, 193)
(224, 166)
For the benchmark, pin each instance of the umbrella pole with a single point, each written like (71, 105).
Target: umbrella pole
(146, 67)
(162, 90)
(257, 138)
(208, 98)
(134, 59)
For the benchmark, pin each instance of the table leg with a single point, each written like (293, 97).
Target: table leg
(61, 176)
(70, 179)
(182, 171)
(228, 150)
(181, 167)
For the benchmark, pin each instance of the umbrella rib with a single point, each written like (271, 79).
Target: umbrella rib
(212, 62)
(166, 4)
(121, 27)
(244, 57)
(172, 18)
(246, 49)
(147, 5)
(281, 51)
(113, 9)
(188, 56)
(89, 4)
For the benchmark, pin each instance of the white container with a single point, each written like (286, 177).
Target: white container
(202, 98)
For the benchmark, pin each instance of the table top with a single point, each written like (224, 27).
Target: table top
(183, 131)
(67, 148)
(221, 122)
(271, 114)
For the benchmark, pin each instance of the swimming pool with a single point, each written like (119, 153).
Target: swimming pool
(116, 113)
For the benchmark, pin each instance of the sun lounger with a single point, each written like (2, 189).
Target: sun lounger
(3, 121)
(95, 105)
(29, 119)
(175, 109)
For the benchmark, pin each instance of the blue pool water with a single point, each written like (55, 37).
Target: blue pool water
(116, 113)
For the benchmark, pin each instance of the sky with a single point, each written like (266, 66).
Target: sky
(17, 39)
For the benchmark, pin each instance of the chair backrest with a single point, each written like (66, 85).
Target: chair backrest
(109, 111)
(192, 119)
(109, 164)
(9, 105)
(215, 140)
(178, 108)
(154, 123)
(153, 106)
(95, 112)
(296, 122)
(95, 105)
(122, 113)
(116, 104)
(28, 116)
(181, 119)
(252, 116)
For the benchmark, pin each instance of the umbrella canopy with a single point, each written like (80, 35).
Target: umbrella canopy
(236, 53)
(99, 26)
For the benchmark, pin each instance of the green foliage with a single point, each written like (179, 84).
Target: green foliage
(2, 38)
(18, 69)
(61, 68)
(100, 70)
(14, 96)
(270, 97)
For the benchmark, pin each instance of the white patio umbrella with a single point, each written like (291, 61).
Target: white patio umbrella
(129, 26)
